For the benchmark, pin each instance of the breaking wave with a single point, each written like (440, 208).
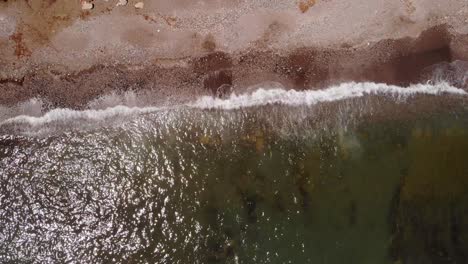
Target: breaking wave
(259, 97)
(344, 91)
(68, 114)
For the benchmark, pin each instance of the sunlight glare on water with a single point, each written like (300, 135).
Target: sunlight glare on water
(353, 181)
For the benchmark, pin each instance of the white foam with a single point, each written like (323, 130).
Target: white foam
(344, 91)
(70, 115)
(259, 97)
(31, 107)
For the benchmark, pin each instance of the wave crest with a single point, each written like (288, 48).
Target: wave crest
(344, 91)
(259, 97)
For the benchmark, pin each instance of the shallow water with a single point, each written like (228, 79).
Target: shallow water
(268, 184)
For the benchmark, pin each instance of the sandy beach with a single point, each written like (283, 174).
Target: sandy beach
(70, 52)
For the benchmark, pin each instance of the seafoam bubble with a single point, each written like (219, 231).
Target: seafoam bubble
(70, 115)
(344, 91)
(31, 107)
(259, 97)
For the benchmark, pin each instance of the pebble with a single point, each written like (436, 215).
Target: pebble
(139, 5)
(86, 6)
(122, 3)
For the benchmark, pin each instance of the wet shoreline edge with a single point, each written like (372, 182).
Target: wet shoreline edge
(398, 62)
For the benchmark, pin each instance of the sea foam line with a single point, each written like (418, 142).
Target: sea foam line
(69, 114)
(344, 91)
(259, 97)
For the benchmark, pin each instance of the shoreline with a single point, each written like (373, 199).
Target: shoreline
(305, 114)
(68, 56)
(396, 62)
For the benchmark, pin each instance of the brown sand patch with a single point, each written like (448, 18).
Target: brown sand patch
(20, 47)
(305, 5)
(40, 21)
(140, 37)
(212, 62)
(218, 82)
(392, 61)
(409, 6)
(169, 20)
(209, 43)
(304, 67)
(271, 33)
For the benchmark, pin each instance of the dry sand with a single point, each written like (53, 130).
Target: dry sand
(56, 50)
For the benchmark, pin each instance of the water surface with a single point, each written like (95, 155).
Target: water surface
(337, 183)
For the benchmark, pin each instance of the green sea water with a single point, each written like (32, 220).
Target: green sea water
(239, 187)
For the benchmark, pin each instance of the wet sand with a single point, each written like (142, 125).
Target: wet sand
(68, 56)
(384, 176)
